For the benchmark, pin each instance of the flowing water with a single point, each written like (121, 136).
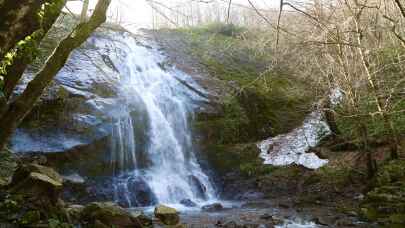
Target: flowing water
(152, 141)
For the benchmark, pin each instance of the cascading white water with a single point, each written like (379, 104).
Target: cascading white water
(152, 142)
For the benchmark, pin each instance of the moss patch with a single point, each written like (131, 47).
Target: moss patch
(385, 203)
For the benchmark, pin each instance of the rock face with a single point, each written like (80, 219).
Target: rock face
(141, 192)
(110, 215)
(72, 120)
(167, 215)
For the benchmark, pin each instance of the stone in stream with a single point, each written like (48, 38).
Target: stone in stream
(108, 214)
(167, 215)
(188, 203)
(212, 207)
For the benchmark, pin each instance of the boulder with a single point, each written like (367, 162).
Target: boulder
(212, 207)
(40, 183)
(110, 215)
(142, 218)
(188, 203)
(74, 212)
(167, 215)
(24, 171)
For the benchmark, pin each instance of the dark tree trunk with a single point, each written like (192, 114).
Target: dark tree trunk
(19, 19)
(25, 56)
(330, 118)
(24, 103)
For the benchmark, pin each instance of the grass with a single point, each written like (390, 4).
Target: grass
(268, 99)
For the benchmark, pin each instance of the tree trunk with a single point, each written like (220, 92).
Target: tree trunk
(18, 20)
(83, 15)
(375, 89)
(330, 118)
(24, 103)
(25, 56)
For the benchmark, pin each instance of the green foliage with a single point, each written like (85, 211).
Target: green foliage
(264, 97)
(385, 203)
(335, 176)
(230, 30)
(389, 75)
(27, 50)
(255, 169)
(393, 171)
(55, 223)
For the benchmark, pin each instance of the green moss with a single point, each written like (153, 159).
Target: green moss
(385, 203)
(338, 177)
(229, 158)
(29, 218)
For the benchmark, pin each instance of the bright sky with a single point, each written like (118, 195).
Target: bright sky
(138, 13)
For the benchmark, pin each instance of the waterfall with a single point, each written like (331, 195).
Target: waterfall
(152, 154)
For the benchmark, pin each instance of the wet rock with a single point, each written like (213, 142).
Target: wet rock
(284, 205)
(188, 203)
(167, 215)
(256, 204)
(271, 219)
(110, 215)
(232, 224)
(74, 179)
(252, 195)
(142, 218)
(140, 192)
(324, 221)
(199, 188)
(266, 217)
(344, 223)
(212, 207)
(74, 212)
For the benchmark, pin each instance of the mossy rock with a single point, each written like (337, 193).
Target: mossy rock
(25, 170)
(167, 215)
(31, 217)
(109, 214)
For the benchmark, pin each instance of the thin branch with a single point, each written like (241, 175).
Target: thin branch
(229, 11)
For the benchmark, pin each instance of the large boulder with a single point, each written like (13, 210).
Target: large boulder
(37, 181)
(110, 215)
(167, 215)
